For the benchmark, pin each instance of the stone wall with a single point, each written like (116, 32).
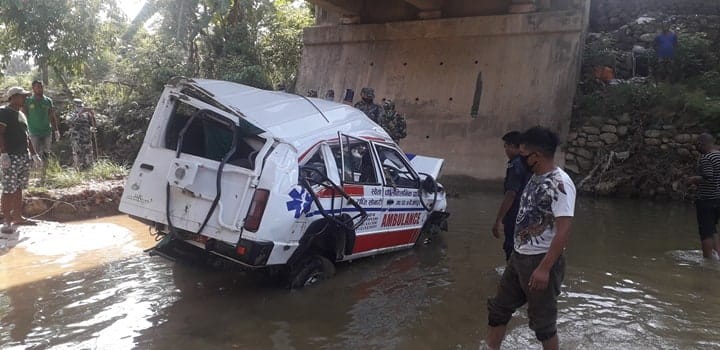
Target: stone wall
(627, 156)
(607, 15)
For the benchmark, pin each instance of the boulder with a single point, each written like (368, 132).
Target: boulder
(624, 119)
(653, 133)
(609, 138)
(590, 130)
(584, 153)
(609, 128)
(653, 142)
(622, 131)
(683, 138)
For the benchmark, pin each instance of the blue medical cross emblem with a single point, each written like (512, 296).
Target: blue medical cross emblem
(300, 203)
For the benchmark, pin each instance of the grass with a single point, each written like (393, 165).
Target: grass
(59, 177)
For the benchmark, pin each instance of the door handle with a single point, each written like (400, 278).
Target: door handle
(147, 166)
(390, 201)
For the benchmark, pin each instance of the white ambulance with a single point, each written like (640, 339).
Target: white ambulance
(275, 181)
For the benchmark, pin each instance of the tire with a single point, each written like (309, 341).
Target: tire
(310, 271)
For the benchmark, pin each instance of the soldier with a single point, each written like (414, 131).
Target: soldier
(312, 93)
(82, 127)
(371, 109)
(393, 122)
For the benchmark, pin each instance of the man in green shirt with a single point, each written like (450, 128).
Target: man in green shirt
(42, 122)
(15, 160)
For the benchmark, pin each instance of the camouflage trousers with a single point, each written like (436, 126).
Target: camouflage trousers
(83, 157)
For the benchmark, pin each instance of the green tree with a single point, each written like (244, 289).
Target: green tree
(281, 39)
(62, 34)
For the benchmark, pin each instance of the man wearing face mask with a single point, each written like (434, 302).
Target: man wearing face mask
(536, 269)
(15, 160)
(82, 127)
(370, 108)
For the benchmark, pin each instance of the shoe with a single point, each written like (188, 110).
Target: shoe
(25, 222)
(7, 229)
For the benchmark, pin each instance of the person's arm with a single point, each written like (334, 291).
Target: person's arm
(705, 172)
(541, 276)
(31, 147)
(53, 120)
(2, 137)
(504, 208)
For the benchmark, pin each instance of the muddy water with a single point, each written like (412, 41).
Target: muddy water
(635, 280)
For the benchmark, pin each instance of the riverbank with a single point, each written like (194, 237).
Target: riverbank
(88, 200)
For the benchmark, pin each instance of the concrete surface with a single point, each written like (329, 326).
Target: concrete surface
(529, 65)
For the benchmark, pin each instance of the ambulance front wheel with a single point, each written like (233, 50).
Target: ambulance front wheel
(310, 271)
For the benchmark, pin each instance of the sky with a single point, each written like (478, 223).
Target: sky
(131, 7)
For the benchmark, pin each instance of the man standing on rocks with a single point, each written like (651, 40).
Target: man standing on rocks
(665, 44)
(536, 269)
(516, 176)
(707, 203)
(15, 160)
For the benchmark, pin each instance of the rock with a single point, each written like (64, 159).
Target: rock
(668, 127)
(64, 209)
(624, 119)
(653, 133)
(593, 138)
(622, 131)
(609, 128)
(582, 134)
(622, 155)
(569, 156)
(595, 144)
(584, 164)
(581, 141)
(648, 37)
(665, 140)
(609, 138)
(652, 142)
(683, 152)
(597, 120)
(572, 136)
(572, 167)
(590, 130)
(664, 147)
(583, 153)
(35, 206)
(612, 121)
(683, 138)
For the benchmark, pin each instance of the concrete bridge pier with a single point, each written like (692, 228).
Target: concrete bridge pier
(463, 72)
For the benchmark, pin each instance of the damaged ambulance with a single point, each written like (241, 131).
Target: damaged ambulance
(275, 181)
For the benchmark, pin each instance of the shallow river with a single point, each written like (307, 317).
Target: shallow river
(635, 280)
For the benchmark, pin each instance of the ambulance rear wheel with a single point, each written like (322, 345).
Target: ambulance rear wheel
(310, 271)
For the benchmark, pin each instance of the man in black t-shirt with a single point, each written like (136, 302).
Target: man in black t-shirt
(516, 177)
(707, 202)
(15, 160)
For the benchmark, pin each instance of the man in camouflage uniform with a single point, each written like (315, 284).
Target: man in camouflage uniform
(82, 127)
(393, 122)
(371, 109)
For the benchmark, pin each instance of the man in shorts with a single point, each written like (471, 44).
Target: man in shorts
(536, 268)
(42, 121)
(707, 202)
(15, 160)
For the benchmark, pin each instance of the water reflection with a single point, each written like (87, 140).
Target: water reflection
(635, 280)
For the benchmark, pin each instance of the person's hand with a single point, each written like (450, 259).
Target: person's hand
(694, 180)
(539, 279)
(5, 161)
(37, 161)
(57, 135)
(496, 229)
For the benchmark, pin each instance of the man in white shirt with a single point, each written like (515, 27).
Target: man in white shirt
(536, 269)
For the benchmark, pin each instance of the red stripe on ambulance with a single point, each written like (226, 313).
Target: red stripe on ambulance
(384, 240)
(351, 190)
